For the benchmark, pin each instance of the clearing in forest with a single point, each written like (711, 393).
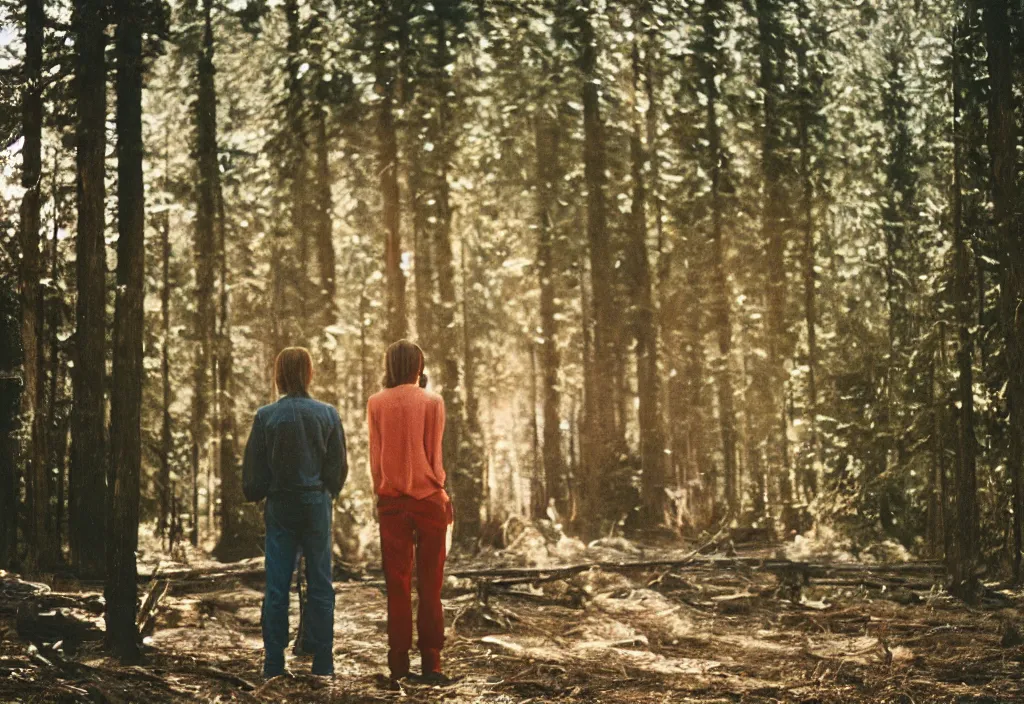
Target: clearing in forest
(610, 622)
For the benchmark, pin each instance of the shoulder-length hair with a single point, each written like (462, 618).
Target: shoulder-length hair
(293, 371)
(403, 363)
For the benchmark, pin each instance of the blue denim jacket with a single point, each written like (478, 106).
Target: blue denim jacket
(296, 445)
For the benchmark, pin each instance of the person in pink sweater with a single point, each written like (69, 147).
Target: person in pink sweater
(406, 424)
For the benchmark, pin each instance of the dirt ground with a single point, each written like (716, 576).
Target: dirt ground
(749, 630)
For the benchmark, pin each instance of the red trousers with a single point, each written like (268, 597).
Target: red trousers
(414, 527)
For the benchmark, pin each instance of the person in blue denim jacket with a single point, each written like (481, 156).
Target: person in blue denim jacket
(295, 458)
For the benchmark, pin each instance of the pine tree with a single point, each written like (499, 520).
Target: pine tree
(713, 16)
(600, 434)
(42, 548)
(386, 85)
(86, 529)
(123, 484)
(1002, 140)
(207, 228)
(645, 330)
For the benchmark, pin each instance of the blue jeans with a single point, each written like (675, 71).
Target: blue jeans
(294, 521)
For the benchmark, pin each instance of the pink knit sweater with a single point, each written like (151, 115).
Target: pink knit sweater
(406, 427)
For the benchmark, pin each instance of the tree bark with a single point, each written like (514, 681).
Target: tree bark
(387, 158)
(547, 144)
(601, 432)
(328, 307)
(208, 196)
(774, 232)
(121, 590)
(298, 167)
(87, 480)
(466, 485)
(806, 109)
(10, 402)
(645, 329)
(42, 550)
(962, 577)
(57, 426)
(166, 438)
(900, 216)
(1002, 138)
(711, 58)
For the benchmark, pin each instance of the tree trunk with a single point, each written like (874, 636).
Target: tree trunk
(328, 307)
(472, 456)
(1002, 138)
(55, 443)
(806, 110)
(42, 550)
(166, 439)
(962, 577)
(208, 194)
(600, 433)
(423, 257)
(538, 494)
(549, 174)
(88, 481)
(10, 402)
(466, 485)
(121, 589)
(900, 215)
(645, 329)
(774, 218)
(387, 157)
(713, 16)
(298, 166)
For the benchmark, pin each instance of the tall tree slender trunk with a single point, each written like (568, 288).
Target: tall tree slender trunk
(328, 306)
(774, 231)
(87, 480)
(601, 432)
(121, 589)
(710, 62)
(547, 143)
(387, 166)
(57, 421)
(1002, 139)
(645, 327)
(206, 237)
(298, 168)
(963, 580)
(900, 215)
(806, 110)
(10, 402)
(472, 454)
(466, 484)
(42, 550)
(166, 438)
(538, 494)
(423, 257)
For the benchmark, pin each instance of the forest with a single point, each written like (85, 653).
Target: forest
(723, 298)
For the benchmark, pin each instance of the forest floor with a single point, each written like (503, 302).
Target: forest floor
(649, 624)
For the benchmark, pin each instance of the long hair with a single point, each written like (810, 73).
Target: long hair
(293, 371)
(403, 363)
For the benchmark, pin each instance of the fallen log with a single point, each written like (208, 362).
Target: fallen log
(513, 575)
(47, 627)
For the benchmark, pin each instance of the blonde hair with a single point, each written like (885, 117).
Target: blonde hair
(293, 371)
